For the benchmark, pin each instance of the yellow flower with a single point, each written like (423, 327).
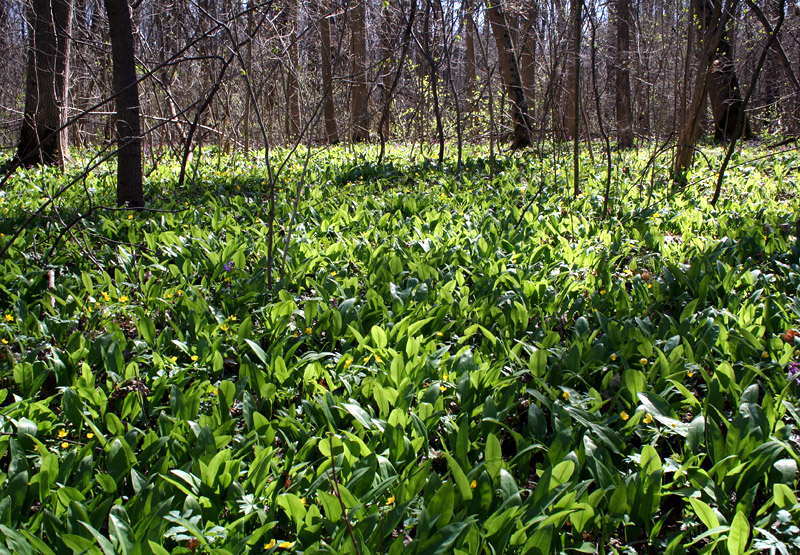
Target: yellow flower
(643, 361)
(285, 545)
(333, 274)
(106, 296)
(169, 295)
(62, 433)
(232, 318)
(64, 444)
(179, 292)
(5, 341)
(445, 376)
(689, 374)
(378, 359)
(194, 358)
(764, 355)
(90, 435)
(309, 331)
(304, 502)
(624, 416)
(123, 299)
(648, 418)
(565, 395)
(9, 318)
(214, 391)
(602, 291)
(473, 484)
(224, 327)
(174, 359)
(130, 216)
(442, 388)
(613, 357)
(348, 362)
(270, 545)
(390, 501)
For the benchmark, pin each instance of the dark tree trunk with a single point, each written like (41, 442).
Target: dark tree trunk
(511, 76)
(331, 132)
(359, 106)
(723, 90)
(129, 156)
(42, 141)
(623, 75)
(572, 110)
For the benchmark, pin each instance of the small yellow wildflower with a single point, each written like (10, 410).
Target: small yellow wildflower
(333, 274)
(442, 388)
(390, 501)
(5, 341)
(232, 318)
(765, 355)
(194, 358)
(473, 484)
(309, 331)
(64, 444)
(689, 374)
(123, 299)
(624, 416)
(9, 318)
(643, 361)
(285, 545)
(348, 362)
(648, 418)
(130, 216)
(214, 391)
(304, 502)
(271, 544)
(565, 395)
(174, 359)
(224, 327)
(179, 292)
(169, 295)
(62, 433)
(602, 291)
(445, 376)
(378, 359)
(90, 435)
(439, 334)
(106, 296)
(613, 357)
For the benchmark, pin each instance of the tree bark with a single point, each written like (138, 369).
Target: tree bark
(572, 110)
(359, 106)
(331, 131)
(623, 77)
(726, 99)
(129, 156)
(292, 85)
(511, 76)
(42, 141)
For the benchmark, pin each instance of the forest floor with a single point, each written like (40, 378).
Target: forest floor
(407, 359)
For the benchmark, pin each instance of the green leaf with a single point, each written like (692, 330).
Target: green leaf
(739, 534)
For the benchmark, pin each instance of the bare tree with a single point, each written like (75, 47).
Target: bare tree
(623, 78)
(129, 157)
(359, 105)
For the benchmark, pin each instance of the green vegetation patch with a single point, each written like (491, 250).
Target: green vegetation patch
(447, 363)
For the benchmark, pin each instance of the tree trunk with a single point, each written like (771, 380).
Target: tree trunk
(572, 109)
(527, 55)
(292, 85)
(129, 156)
(623, 89)
(469, 31)
(726, 99)
(511, 76)
(42, 141)
(387, 40)
(359, 106)
(331, 132)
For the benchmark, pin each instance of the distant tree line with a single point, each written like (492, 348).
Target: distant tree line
(153, 76)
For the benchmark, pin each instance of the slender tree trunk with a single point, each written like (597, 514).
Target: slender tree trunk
(527, 54)
(292, 85)
(129, 157)
(42, 141)
(359, 106)
(572, 110)
(623, 89)
(331, 131)
(511, 76)
(469, 31)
